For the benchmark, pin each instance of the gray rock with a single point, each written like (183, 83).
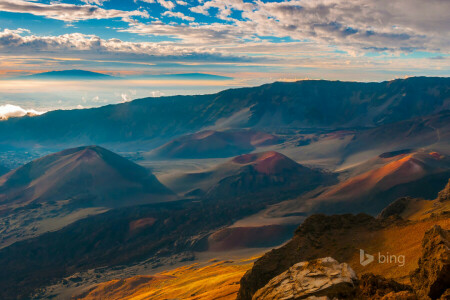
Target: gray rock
(323, 278)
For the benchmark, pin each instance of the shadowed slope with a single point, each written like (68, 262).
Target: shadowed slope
(303, 104)
(210, 143)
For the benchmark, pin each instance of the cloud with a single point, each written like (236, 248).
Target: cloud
(98, 2)
(13, 111)
(68, 12)
(157, 94)
(213, 34)
(178, 15)
(353, 25)
(164, 3)
(93, 47)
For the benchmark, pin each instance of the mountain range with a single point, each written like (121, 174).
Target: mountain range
(281, 105)
(190, 178)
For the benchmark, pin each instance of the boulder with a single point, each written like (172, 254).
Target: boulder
(316, 279)
(432, 278)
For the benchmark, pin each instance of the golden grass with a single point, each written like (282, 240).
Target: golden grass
(215, 281)
(397, 240)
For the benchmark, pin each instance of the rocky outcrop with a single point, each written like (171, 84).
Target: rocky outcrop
(396, 207)
(432, 278)
(376, 287)
(444, 195)
(318, 236)
(323, 277)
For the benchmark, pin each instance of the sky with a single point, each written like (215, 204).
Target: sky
(253, 42)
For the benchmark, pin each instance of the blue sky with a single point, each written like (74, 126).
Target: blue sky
(252, 41)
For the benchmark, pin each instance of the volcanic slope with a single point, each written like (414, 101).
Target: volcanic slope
(374, 184)
(264, 173)
(211, 144)
(86, 176)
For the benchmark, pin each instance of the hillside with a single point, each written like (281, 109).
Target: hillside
(338, 235)
(211, 143)
(302, 104)
(216, 280)
(118, 237)
(87, 176)
(265, 173)
(431, 131)
(370, 186)
(341, 237)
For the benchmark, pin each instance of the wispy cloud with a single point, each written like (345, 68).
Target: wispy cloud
(68, 12)
(93, 46)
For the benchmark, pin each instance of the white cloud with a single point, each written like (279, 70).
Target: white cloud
(67, 12)
(12, 43)
(125, 97)
(352, 25)
(178, 15)
(98, 2)
(13, 111)
(157, 94)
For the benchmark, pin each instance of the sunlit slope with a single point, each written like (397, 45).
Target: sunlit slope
(215, 281)
(373, 185)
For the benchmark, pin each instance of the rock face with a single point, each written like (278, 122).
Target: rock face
(432, 278)
(311, 241)
(317, 278)
(396, 207)
(377, 287)
(444, 195)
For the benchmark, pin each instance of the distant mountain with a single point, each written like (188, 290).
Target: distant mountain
(265, 174)
(86, 176)
(281, 105)
(69, 74)
(211, 143)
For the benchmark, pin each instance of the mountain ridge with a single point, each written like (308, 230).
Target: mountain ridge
(302, 104)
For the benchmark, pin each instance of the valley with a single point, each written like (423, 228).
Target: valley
(110, 208)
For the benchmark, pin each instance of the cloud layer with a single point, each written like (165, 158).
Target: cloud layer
(13, 111)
